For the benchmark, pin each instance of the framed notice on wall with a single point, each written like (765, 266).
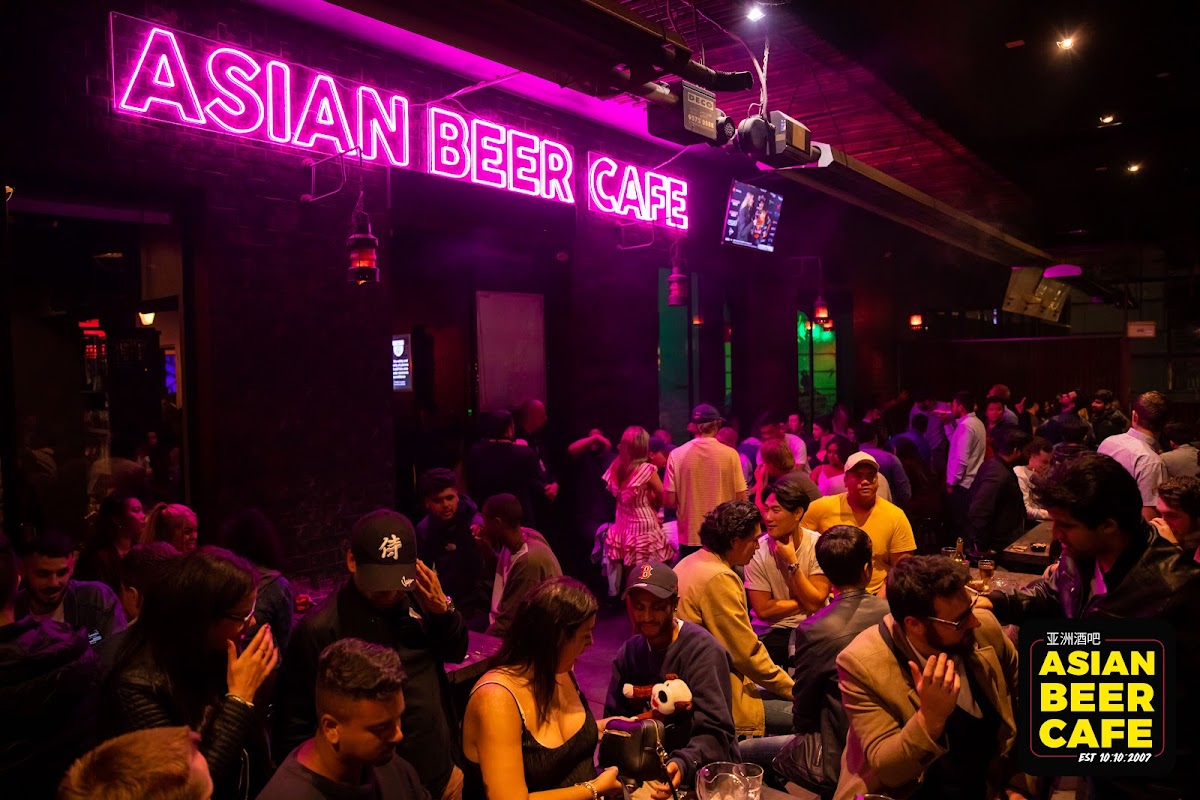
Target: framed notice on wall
(511, 331)
(402, 363)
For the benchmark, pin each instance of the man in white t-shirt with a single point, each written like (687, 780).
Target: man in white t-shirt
(784, 583)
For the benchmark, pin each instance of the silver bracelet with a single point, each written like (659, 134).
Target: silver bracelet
(588, 785)
(239, 699)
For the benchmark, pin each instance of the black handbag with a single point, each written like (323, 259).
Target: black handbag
(803, 762)
(635, 748)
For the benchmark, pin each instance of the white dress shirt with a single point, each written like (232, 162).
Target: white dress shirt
(968, 448)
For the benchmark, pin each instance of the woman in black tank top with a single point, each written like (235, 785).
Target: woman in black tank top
(532, 682)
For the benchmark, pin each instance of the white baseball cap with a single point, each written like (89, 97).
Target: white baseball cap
(859, 458)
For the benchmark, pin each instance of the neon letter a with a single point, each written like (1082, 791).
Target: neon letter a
(161, 77)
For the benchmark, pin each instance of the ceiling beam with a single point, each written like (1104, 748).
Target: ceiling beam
(859, 184)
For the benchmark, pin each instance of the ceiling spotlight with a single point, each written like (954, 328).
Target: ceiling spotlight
(1134, 168)
(1107, 119)
(1066, 43)
(755, 13)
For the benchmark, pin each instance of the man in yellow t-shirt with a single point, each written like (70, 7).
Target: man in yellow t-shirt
(889, 529)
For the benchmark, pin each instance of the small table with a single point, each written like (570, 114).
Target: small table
(481, 649)
(1020, 556)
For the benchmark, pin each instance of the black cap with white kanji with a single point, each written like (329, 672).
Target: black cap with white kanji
(384, 546)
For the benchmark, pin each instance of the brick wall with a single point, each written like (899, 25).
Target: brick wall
(289, 408)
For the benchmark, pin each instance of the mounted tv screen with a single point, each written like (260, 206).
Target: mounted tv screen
(752, 217)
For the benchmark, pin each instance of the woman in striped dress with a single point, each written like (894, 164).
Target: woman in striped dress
(637, 536)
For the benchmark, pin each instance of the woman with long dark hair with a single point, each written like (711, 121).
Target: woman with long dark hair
(181, 666)
(528, 732)
(252, 536)
(116, 528)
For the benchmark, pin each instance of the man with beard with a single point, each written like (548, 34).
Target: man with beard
(449, 540)
(49, 592)
(48, 681)
(1179, 507)
(393, 600)
(666, 645)
(1116, 565)
(353, 754)
(928, 693)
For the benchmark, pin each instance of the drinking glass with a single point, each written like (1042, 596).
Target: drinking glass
(952, 554)
(987, 569)
(725, 780)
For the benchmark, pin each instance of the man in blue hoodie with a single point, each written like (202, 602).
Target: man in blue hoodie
(666, 645)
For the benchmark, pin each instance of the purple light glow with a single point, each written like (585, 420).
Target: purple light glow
(250, 95)
(490, 154)
(630, 191)
(253, 97)
(616, 114)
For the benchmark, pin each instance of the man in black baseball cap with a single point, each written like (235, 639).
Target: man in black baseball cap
(394, 600)
(706, 414)
(383, 553)
(656, 578)
(667, 648)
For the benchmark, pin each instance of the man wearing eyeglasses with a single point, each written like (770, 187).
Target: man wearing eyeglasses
(1115, 565)
(928, 693)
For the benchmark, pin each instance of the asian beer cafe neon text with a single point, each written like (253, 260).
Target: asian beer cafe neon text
(165, 75)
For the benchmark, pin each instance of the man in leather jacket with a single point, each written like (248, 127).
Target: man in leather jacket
(394, 600)
(1116, 565)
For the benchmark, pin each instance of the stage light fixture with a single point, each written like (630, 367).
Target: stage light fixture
(1066, 43)
(775, 139)
(755, 13)
(916, 322)
(1107, 119)
(1134, 168)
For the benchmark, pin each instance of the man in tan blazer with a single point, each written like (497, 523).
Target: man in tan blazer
(928, 693)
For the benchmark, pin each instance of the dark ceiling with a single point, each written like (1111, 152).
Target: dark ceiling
(929, 93)
(1034, 111)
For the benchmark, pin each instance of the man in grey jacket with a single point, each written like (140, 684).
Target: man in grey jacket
(524, 559)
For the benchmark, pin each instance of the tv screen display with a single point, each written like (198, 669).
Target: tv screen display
(401, 363)
(752, 217)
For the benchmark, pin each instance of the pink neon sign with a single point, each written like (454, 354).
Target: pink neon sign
(170, 76)
(495, 155)
(637, 193)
